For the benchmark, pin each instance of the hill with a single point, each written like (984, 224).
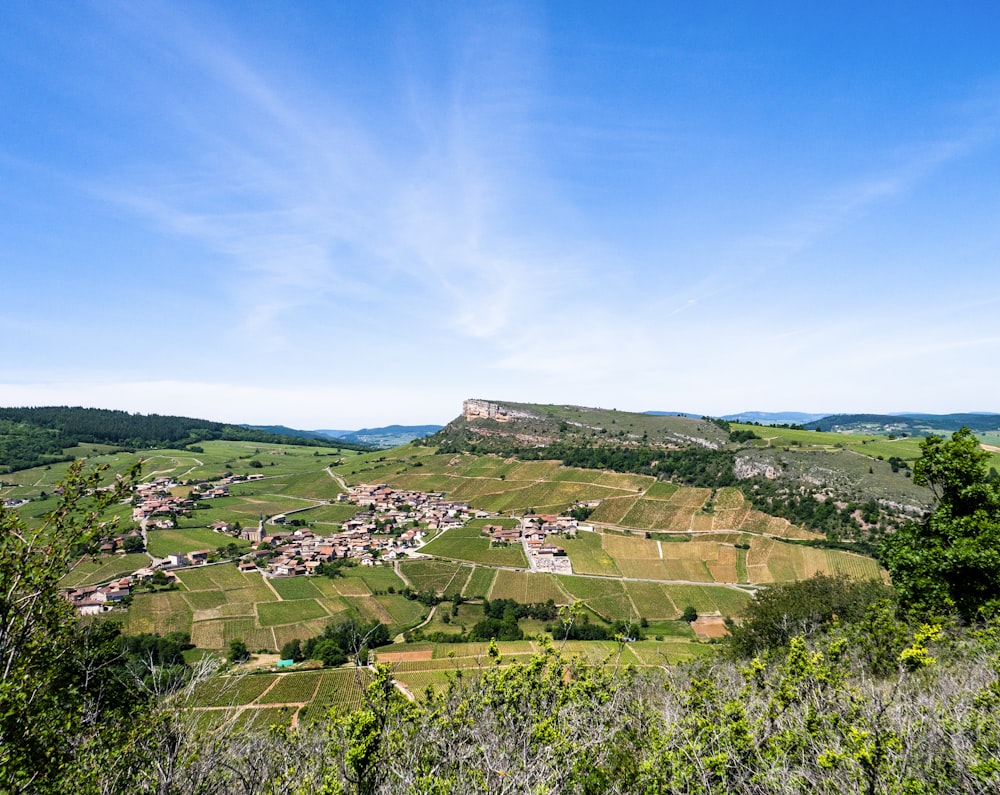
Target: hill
(908, 424)
(385, 437)
(43, 435)
(774, 417)
(847, 487)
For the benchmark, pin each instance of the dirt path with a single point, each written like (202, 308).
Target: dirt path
(267, 582)
(399, 638)
(336, 477)
(399, 573)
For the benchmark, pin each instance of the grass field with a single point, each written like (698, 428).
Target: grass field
(162, 542)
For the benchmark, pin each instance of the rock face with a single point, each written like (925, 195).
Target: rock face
(473, 409)
(748, 468)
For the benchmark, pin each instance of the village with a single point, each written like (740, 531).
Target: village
(390, 524)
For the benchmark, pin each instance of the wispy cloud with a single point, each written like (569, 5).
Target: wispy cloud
(314, 204)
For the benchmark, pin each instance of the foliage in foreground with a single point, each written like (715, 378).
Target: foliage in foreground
(818, 719)
(950, 562)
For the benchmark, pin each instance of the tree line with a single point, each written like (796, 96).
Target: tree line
(35, 436)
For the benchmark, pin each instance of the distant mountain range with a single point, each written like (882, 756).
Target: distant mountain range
(910, 424)
(388, 436)
(775, 417)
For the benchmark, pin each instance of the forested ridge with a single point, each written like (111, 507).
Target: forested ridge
(33, 436)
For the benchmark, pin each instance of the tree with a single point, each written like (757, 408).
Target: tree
(292, 650)
(950, 561)
(238, 651)
(802, 609)
(51, 701)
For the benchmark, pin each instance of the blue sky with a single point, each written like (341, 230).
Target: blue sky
(353, 214)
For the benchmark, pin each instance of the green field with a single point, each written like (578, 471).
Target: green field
(162, 542)
(586, 553)
(468, 543)
(480, 582)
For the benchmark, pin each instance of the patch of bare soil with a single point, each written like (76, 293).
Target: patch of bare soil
(708, 627)
(401, 656)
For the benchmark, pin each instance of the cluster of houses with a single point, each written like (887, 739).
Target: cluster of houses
(302, 551)
(393, 525)
(401, 507)
(156, 506)
(94, 599)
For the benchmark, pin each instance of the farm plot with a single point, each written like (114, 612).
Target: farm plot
(624, 481)
(729, 497)
(661, 490)
(420, 682)
(293, 688)
(270, 614)
(291, 588)
(342, 688)
(162, 542)
(222, 577)
(467, 543)
(480, 582)
(349, 586)
(613, 509)
(652, 600)
(162, 612)
(316, 485)
(690, 497)
(762, 524)
(262, 718)
(231, 691)
(404, 612)
(601, 652)
(480, 651)
(708, 599)
(585, 588)
(430, 575)
(656, 514)
(377, 578)
(613, 608)
(536, 470)
(528, 587)
(304, 629)
(757, 559)
(94, 572)
(635, 557)
(856, 566)
(332, 514)
(201, 601)
(586, 553)
(695, 570)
